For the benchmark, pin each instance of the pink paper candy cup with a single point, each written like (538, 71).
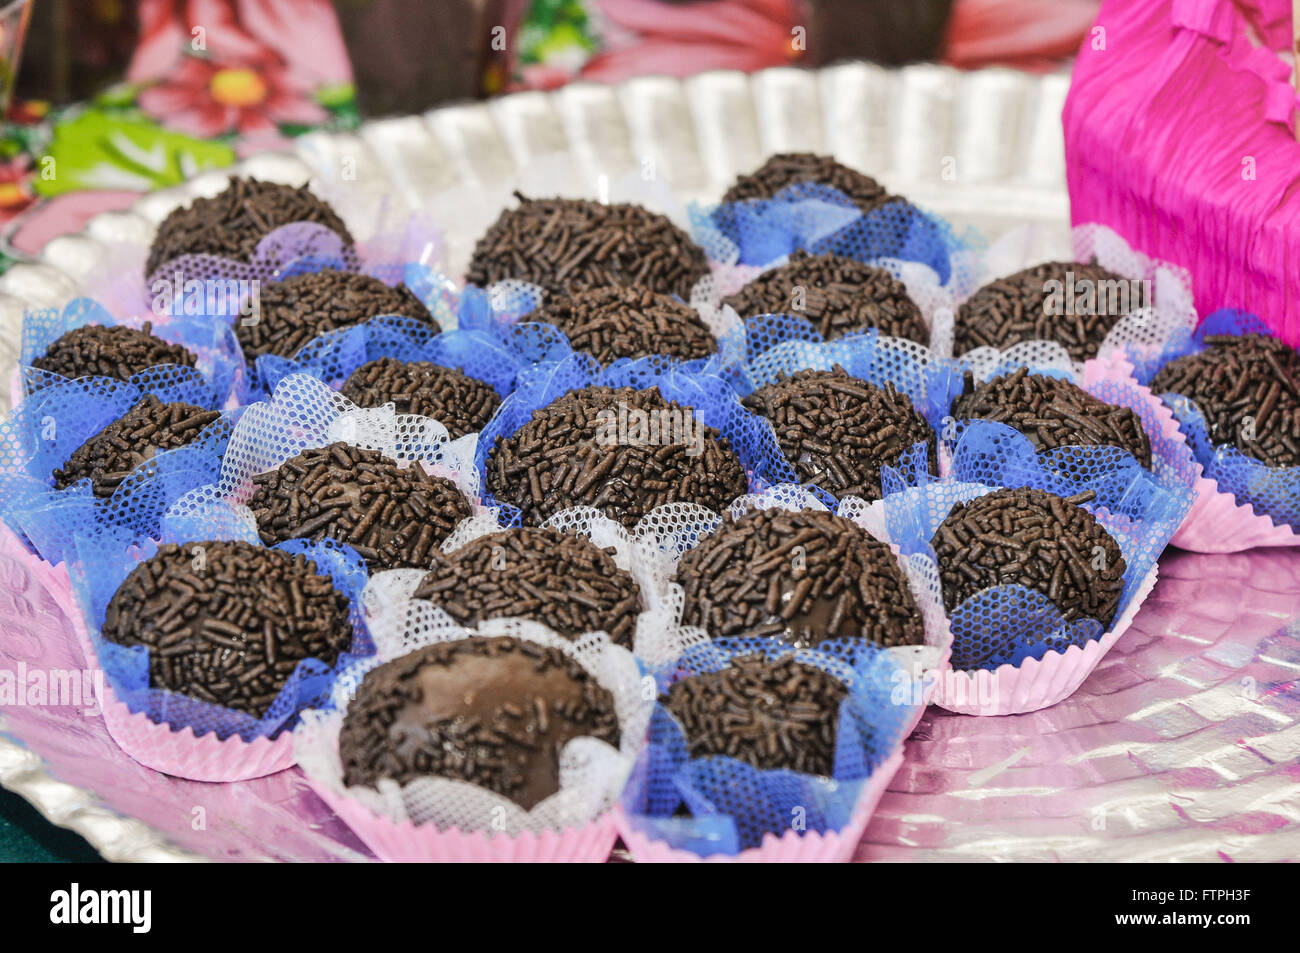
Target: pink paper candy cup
(791, 847)
(1035, 683)
(1216, 523)
(407, 843)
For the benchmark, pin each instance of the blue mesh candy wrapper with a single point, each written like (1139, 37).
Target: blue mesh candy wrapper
(713, 401)
(293, 249)
(43, 432)
(103, 562)
(718, 804)
(216, 378)
(821, 219)
(1006, 624)
(1273, 491)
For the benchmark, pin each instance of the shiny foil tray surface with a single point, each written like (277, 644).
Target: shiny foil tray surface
(1184, 744)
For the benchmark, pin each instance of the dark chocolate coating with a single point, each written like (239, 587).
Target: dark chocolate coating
(494, 712)
(1053, 412)
(562, 580)
(838, 294)
(392, 515)
(837, 431)
(295, 310)
(231, 223)
(228, 622)
(610, 323)
(1034, 539)
(769, 714)
(1014, 309)
(114, 351)
(570, 454)
(789, 168)
(801, 577)
(147, 429)
(1248, 388)
(570, 245)
(461, 403)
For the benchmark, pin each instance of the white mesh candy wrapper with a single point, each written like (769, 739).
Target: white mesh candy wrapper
(1142, 334)
(442, 819)
(305, 413)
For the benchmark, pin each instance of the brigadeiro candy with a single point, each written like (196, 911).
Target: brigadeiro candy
(610, 323)
(393, 516)
(790, 168)
(114, 351)
(771, 714)
(837, 431)
(574, 452)
(231, 223)
(562, 580)
(492, 712)
(570, 245)
(461, 403)
(802, 577)
(232, 632)
(1032, 305)
(1031, 538)
(1248, 389)
(147, 429)
(295, 310)
(836, 294)
(1053, 412)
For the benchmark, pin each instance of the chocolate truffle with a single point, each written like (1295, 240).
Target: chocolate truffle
(1053, 412)
(838, 431)
(785, 169)
(228, 622)
(801, 577)
(570, 245)
(609, 323)
(144, 431)
(295, 310)
(392, 515)
(1248, 388)
(781, 714)
(114, 351)
(1021, 307)
(836, 294)
(231, 223)
(461, 403)
(562, 580)
(493, 712)
(620, 450)
(1035, 539)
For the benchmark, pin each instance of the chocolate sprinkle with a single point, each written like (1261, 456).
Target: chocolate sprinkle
(1035, 539)
(147, 429)
(570, 454)
(838, 431)
(493, 712)
(295, 310)
(781, 714)
(789, 168)
(1248, 388)
(610, 323)
(1053, 412)
(839, 295)
(1014, 309)
(461, 403)
(570, 245)
(392, 515)
(114, 351)
(562, 580)
(231, 223)
(231, 628)
(800, 577)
